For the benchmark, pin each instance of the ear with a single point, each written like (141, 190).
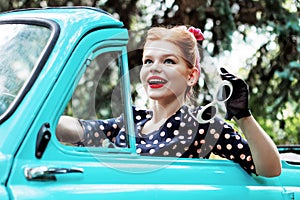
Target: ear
(193, 77)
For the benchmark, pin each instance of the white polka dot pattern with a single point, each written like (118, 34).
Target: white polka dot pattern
(180, 136)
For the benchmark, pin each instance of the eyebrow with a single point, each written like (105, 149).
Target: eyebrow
(168, 55)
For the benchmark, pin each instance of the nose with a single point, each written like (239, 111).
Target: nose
(155, 67)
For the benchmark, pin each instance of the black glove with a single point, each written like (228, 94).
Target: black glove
(237, 104)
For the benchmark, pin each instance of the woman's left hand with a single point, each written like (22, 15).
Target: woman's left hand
(237, 104)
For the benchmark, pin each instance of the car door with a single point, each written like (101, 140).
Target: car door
(45, 168)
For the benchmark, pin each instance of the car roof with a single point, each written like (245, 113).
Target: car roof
(67, 16)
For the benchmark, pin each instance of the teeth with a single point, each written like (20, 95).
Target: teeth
(156, 81)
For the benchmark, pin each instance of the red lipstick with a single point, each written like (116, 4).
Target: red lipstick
(156, 82)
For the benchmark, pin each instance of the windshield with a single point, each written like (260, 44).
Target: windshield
(21, 46)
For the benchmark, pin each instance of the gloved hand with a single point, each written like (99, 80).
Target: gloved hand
(237, 104)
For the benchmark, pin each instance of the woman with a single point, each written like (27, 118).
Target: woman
(169, 128)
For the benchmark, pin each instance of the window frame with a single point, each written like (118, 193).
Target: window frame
(106, 47)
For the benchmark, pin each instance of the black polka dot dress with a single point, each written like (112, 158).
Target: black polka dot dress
(180, 136)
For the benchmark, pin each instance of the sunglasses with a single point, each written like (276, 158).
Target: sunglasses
(209, 111)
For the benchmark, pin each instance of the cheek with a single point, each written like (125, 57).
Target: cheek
(178, 81)
(180, 76)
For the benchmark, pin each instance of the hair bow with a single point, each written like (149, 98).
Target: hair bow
(197, 33)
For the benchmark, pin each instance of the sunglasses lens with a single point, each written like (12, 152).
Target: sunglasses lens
(224, 92)
(209, 113)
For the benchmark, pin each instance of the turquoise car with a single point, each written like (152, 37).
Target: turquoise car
(74, 61)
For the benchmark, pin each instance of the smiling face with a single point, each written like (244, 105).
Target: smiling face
(165, 74)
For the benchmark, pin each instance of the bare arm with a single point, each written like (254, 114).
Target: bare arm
(264, 152)
(69, 130)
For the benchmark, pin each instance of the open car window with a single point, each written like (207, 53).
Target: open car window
(98, 99)
(98, 94)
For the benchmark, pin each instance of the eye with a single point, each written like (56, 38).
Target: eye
(148, 61)
(169, 61)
